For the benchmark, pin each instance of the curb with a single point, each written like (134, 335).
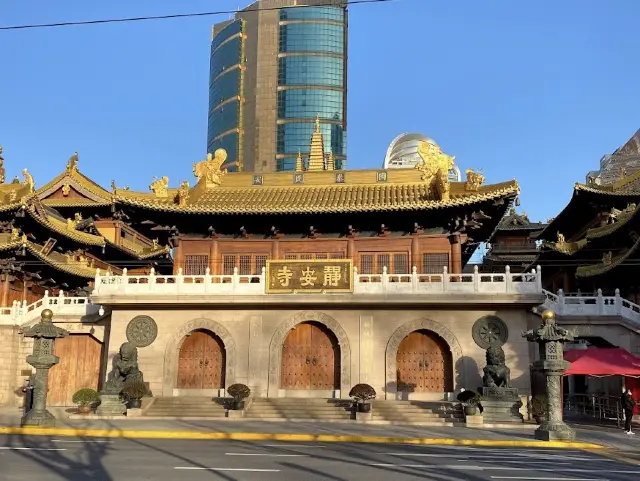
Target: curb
(325, 438)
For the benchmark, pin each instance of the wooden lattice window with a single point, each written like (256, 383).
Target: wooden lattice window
(247, 264)
(315, 255)
(374, 263)
(196, 265)
(434, 263)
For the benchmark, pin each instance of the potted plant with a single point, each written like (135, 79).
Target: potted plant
(133, 392)
(539, 408)
(85, 398)
(361, 394)
(470, 400)
(239, 392)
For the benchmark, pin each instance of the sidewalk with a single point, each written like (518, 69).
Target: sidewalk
(310, 431)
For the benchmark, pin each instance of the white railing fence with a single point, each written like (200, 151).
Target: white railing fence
(592, 305)
(254, 284)
(21, 312)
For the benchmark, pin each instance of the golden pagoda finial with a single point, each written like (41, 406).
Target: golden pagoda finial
(299, 163)
(316, 149)
(331, 162)
(210, 170)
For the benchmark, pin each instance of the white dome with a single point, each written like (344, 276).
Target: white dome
(403, 154)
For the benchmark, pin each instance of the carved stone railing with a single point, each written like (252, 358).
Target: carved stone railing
(21, 312)
(598, 305)
(237, 284)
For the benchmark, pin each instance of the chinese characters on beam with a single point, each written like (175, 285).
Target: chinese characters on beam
(321, 275)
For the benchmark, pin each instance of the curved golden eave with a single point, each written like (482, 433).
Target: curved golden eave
(604, 267)
(62, 228)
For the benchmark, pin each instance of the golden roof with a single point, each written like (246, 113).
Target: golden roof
(608, 262)
(71, 177)
(53, 259)
(65, 228)
(141, 253)
(317, 192)
(568, 248)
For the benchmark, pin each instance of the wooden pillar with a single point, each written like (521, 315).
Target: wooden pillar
(415, 253)
(5, 289)
(275, 249)
(214, 268)
(456, 254)
(179, 257)
(351, 250)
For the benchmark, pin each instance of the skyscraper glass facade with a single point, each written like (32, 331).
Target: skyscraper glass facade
(225, 83)
(311, 82)
(274, 69)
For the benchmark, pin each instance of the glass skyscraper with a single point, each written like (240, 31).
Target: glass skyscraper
(275, 68)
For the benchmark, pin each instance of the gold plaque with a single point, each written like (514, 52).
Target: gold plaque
(319, 275)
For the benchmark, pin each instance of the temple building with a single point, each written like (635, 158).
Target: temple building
(513, 243)
(593, 242)
(299, 284)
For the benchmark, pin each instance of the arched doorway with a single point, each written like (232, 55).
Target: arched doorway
(424, 363)
(201, 362)
(310, 358)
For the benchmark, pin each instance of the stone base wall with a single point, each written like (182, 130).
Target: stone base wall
(368, 342)
(8, 361)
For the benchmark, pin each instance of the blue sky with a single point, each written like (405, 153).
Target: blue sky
(536, 91)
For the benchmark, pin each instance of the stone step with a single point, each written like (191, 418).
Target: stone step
(252, 415)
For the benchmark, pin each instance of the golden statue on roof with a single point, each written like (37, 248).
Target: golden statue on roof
(435, 168)
(474, 180)
(2, 171)
(160, 187)
(210, 170)
(28, 180)
(72, 163)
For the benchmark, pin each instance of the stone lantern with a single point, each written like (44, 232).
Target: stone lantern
(44, 334)
(550, 338)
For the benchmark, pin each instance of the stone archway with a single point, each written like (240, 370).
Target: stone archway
(403, 331)
(172, 351)
(278, 338)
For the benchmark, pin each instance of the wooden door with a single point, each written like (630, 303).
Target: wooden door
(424, 364)
(201, 362)
(310, 358)
(80, 366)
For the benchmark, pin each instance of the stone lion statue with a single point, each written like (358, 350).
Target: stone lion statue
(496, 373)
(125, 368)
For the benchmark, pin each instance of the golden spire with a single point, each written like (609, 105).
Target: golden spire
(331, 162)
(316, 150)
(299, 163)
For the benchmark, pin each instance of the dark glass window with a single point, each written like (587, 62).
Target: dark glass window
(295, 137)
(309, 103)
(312, 37)
(225, 57)
(229, 143)
(311, 70)
(335, 14)
(225, 87)
(223, 118)
(229, 31)
(288, 163)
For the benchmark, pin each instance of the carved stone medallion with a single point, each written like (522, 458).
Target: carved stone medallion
(489, 330)
(142, 331)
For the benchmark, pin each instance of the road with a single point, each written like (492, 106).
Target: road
(74, 459)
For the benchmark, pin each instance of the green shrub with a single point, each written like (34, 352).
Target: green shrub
(134, 389)
(239, 392)
(362, 393)
(85, 396)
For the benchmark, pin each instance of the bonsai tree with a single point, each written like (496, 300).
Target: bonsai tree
(539, 408)
(85, 398)
(133, 391)
(239, 392)
(361, 394)
(470, 400)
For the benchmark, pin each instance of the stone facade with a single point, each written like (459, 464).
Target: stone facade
(368, 341)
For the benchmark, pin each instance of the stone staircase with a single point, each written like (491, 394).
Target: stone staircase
(427, 413)
(186, 407)
(302, 409)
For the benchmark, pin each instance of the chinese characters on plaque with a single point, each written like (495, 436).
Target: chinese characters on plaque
(320, 275)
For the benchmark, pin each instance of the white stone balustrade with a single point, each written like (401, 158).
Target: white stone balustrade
(237, 284)
(598, 305)
(21, 312)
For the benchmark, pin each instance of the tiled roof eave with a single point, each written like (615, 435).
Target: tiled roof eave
(77, 236)
(602, 268)
(87, 273)
(138, 255)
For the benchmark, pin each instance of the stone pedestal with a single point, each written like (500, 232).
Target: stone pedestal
(235, 413)
(364, 417)
(474, 421)
(501, 405)
(110, 405)
(134, 413)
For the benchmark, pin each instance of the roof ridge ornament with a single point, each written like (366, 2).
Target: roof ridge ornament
(72, 163)
(160, 187)
(2, 171)
(474, 180)
(210, 170)
(435, 168)
(28, 181)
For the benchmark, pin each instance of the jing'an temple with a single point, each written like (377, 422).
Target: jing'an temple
(298, 284)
